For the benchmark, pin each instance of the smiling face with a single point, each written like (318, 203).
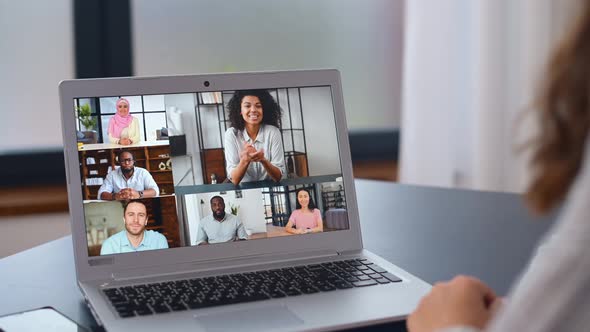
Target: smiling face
(251, 110)
(123, 108)
(135, 218)
(303, 198)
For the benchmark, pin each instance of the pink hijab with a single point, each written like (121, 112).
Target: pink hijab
(119, 122)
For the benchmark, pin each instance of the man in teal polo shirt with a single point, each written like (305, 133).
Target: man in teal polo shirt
(134, 237)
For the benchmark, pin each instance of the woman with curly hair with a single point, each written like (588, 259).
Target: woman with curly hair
(552, 294)
(253, 144)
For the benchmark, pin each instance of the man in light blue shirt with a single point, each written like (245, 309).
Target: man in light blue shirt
(220, 226)
(128, 181)
(134, 237)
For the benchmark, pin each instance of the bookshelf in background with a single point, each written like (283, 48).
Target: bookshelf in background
(97, 159)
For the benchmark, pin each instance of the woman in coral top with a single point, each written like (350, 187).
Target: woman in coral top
(306, 218)
(123, 127)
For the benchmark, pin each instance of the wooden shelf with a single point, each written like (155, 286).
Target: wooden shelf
(142, 159)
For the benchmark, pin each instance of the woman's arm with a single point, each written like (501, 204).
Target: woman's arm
(235, 166)
(276, 163)
(238, 172)
(289, 228)
(273, 171)
(134, 131)
(112, 139)
(320, 227)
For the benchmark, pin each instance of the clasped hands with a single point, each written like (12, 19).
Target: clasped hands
(125, 141)
(127, 193)
(249, 153)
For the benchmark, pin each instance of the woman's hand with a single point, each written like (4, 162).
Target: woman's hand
(125, 141)
(257, 156)
(463, 301)
(248, 153)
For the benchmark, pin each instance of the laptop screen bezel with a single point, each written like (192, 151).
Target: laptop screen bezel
(135, 263)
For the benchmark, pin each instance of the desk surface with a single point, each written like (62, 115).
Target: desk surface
(433, 233)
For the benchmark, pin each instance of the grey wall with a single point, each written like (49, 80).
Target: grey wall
(36, 40)
(363, 39)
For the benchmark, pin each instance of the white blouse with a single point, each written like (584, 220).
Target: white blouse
(268, 138)
(553, 294)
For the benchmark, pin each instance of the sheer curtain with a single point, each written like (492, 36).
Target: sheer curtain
(470, 69)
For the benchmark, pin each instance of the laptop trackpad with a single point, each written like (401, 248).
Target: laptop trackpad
(264, 317)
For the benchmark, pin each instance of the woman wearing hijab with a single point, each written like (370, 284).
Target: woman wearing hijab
(123, 127)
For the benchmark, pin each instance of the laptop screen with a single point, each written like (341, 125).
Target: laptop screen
(208, 168)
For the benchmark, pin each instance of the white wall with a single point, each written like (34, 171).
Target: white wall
(250, 212)
(180, 110)
(320, 131)
(210, 126)
(471, 70)
(363, 39)
(36, 40)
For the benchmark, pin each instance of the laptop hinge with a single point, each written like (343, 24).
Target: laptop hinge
(218, 264)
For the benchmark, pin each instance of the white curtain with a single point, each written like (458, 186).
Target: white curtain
(470, 68)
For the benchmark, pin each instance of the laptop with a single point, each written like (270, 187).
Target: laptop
(221, 201)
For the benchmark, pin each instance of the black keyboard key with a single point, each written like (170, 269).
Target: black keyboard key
(365, 261)
(382, 280)
(292, 292)
(327, 288)
(377, 268)
(309, 290)
(160, 308)
(343, 285)
(143, 311)
(126, 314)
(364, 283)
(177, 306)
(391, 277)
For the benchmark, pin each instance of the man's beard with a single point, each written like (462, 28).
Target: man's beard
(219, 215)
(131, 232)
(127, 171)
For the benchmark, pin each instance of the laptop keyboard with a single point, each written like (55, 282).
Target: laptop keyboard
(154, 298)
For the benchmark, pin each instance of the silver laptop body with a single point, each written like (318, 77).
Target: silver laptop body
(302, 94)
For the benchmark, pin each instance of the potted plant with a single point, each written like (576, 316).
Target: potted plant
(88, 121)
(234, 209)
